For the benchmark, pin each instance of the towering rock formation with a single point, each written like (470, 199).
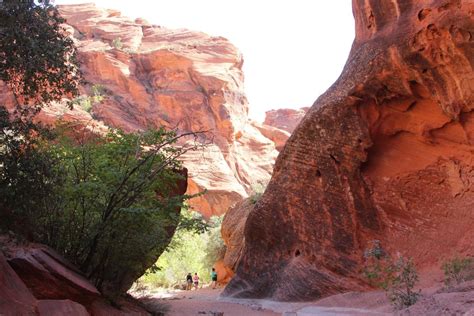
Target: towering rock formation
(143, 76)
(386, 153)
(154, 76)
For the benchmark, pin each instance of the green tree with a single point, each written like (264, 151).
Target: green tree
(119, 203)
(38, 65)
(28, 176)
(37, 59)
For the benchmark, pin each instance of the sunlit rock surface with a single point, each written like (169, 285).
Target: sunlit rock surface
(285, 119)
(148, 76)
(180, 79)
(386, 153)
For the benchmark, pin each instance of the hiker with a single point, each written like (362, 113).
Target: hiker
(213, 278)
(189, 282)
(196, 280)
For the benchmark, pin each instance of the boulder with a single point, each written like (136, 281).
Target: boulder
(15, 298)
(61, 307)
(49, 276)
(34, 280)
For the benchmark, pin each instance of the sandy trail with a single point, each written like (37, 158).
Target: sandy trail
(203, 302)
(208, 302)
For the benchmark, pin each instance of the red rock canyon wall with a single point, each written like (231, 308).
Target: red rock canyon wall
(153, 76)
(386, 153)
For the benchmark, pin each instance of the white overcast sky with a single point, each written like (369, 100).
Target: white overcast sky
(293, 49)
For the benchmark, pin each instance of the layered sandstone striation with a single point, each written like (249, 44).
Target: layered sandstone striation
(386, 153)
(143, 76)
(285, 119)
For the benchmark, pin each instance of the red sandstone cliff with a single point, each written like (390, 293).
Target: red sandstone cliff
(386, 153)
(285, 119)
(150, 76)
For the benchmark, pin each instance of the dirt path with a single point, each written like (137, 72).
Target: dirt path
(203, 302)
(207, 302)
(433, 301)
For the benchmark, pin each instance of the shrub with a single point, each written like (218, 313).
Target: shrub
(84, 102)
(110, 204)
(397, 277)
(117, 43)
(402, 283)
(98, 93)
(257, 191)
(457, 270)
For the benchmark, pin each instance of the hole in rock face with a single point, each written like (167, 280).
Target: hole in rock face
(423, 14)
(419, 90)
(297, 253)
(318, 173)
(370, 20)
(335, 160)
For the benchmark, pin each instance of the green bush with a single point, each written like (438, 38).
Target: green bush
(458, 270)
(84, 102)
(257, 191)
(402, 283)
(397, 277)
(98, 93)
(117, 43)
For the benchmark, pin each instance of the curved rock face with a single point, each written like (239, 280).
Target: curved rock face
(232, 232)
(148, 76)
(386, 153)
(38, 281)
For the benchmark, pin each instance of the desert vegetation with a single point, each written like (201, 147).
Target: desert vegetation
(257, 191)
(457, 270)
(398, 277)
(86, 102)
